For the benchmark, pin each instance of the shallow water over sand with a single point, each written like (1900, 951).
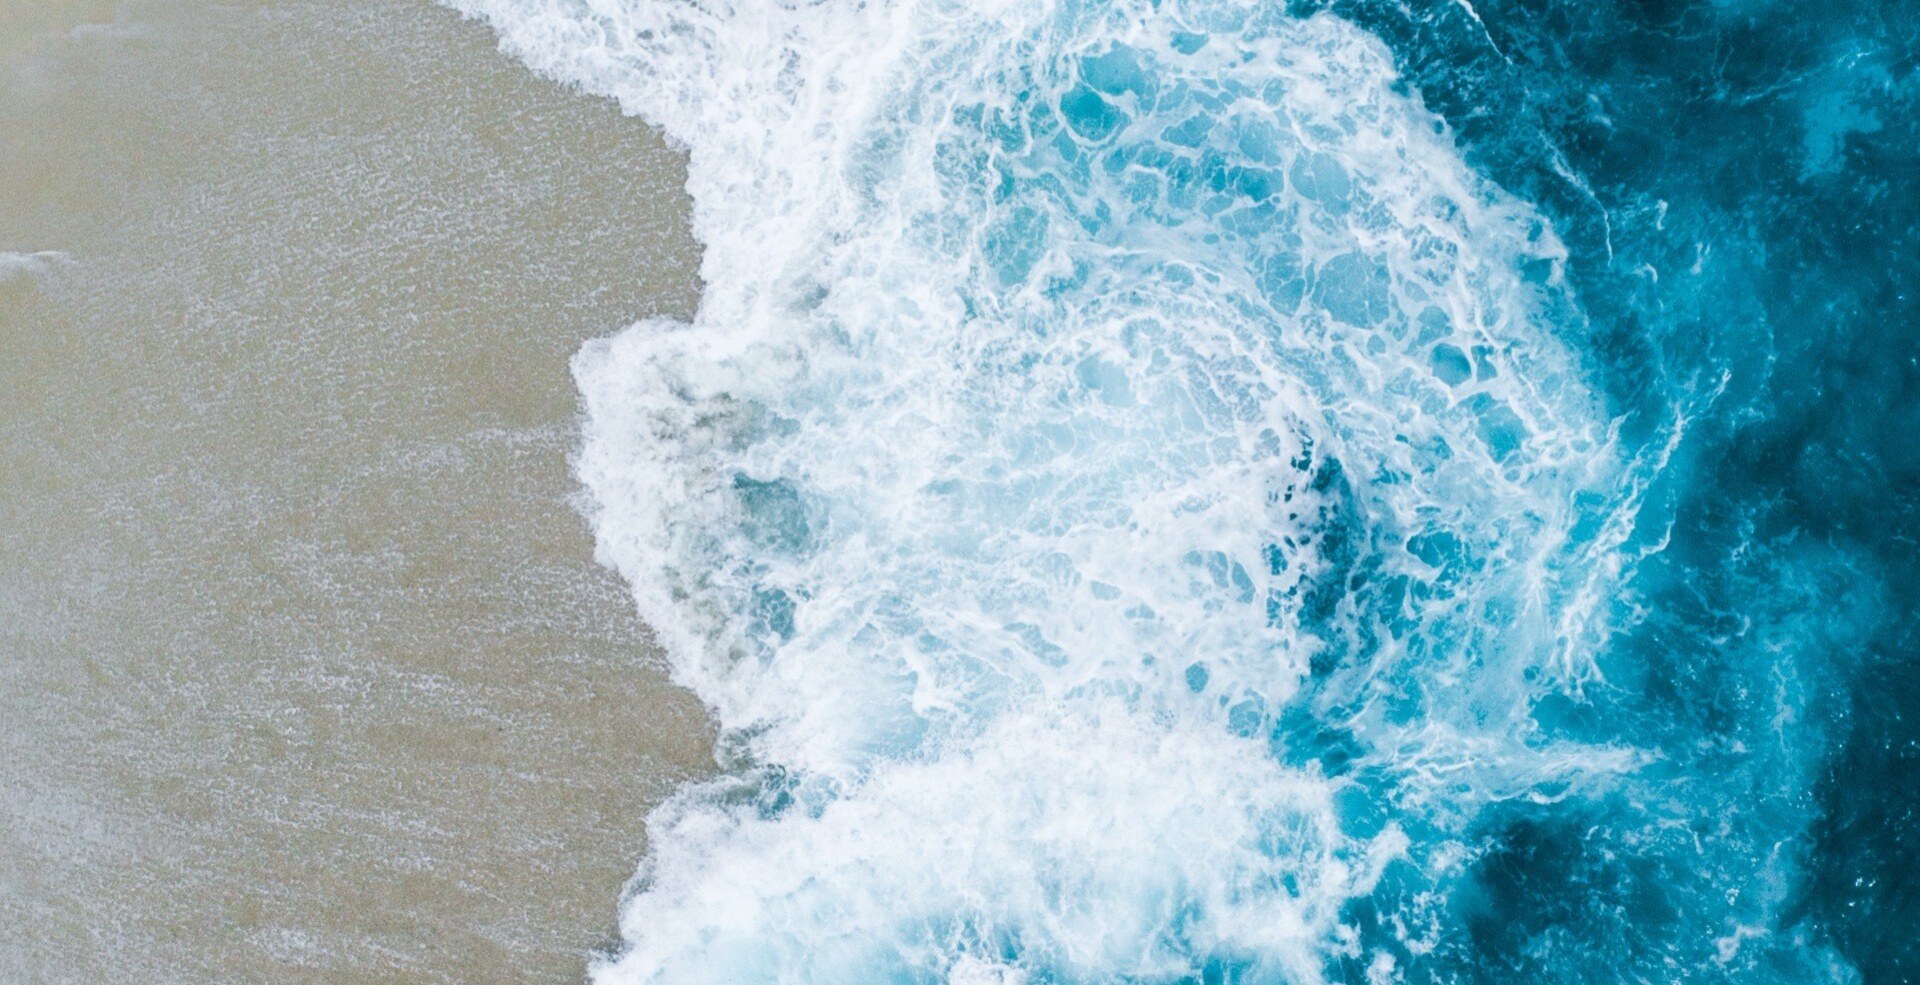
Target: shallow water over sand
(306, 671)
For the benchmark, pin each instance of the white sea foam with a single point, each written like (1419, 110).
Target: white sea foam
(1138, 843)
(17, 265)
(1073, 385)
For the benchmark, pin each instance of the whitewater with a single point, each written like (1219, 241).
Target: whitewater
(1141, 507)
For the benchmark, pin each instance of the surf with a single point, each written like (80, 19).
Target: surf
(1138, 504)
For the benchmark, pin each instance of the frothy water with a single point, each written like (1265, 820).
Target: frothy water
(1142, 508)
(21, 266)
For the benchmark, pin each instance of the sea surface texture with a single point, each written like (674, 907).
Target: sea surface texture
(1196, 491)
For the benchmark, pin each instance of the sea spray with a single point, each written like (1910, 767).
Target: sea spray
(1138, 505)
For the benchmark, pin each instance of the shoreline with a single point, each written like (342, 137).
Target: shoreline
(313, 673)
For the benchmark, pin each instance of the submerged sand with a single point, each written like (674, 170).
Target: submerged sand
(306, 671)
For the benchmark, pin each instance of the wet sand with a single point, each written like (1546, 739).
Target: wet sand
(306, 672)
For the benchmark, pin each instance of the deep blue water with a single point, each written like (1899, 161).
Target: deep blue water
(1204, 491)
(1777, 147)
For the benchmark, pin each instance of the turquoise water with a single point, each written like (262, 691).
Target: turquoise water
(1215, 492)
(1739, 183)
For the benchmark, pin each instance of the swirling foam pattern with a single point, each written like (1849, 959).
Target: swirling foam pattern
(1141, 508)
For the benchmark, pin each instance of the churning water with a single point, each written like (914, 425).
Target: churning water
(1197, 491)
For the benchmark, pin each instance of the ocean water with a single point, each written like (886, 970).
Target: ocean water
(307, 673)
(1197, 491)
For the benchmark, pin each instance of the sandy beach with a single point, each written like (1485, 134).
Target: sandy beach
(307, 673)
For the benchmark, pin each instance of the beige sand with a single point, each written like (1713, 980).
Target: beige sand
(306, 673)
